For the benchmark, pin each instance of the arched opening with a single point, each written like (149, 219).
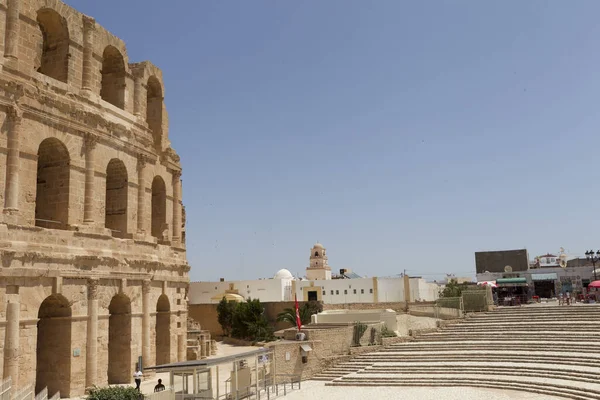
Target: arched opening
(52, 193)
(154, 108)
(159, 207)
(316, 254)
(54, 346)
(119, 340)
(55, 47)
(113, 77)
(163, 330)
(116, 198)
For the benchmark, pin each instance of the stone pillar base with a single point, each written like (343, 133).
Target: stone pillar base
(11, 63)
(12, 216)
(144, 237)
(93, 230)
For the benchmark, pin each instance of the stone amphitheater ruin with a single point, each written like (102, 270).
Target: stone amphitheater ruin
(545, 350)
(94, 271)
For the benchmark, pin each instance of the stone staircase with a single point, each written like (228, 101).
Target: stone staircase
(549, 350)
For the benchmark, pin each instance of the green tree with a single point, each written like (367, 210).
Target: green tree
(225, 312)
(453, 289)
(306, 311)
(250, 322)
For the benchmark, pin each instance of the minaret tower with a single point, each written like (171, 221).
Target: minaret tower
(318, 267)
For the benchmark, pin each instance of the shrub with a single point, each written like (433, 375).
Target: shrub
(114, 393)
(359, 330)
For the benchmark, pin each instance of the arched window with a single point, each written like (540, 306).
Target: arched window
(52, 194)
(116, 198)
(154, 108)
(163, 330)
(113, 77)
(54, 61)
(119, 340)
(316, 254)
(159, 207)
(54, 346)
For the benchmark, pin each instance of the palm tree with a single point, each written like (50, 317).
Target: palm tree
(289, 314)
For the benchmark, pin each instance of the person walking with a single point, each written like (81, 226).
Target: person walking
(137, 376)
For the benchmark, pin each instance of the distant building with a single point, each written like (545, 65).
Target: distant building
(546, 276)
(501, 261)
(319, 285)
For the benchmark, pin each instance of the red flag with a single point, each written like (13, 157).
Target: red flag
(298, 321)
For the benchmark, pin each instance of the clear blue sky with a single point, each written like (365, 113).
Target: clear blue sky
(401, 135)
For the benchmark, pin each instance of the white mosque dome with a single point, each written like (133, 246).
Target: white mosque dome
(283, 274)
(318, 245)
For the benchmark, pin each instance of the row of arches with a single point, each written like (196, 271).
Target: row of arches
(53, 191)
(54, 333)
(54, 62)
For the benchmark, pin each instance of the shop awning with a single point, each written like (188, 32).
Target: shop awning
(511, 281)
(544, 277)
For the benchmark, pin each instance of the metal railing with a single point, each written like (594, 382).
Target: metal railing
(43, 395)
(265, 389)
(5, 386)
(167, 394)
(25, 393)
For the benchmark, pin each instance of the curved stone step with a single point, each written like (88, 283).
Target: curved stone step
(539, 389)
(480, 357)
(574, 336)
(587, 377)
(501, 347)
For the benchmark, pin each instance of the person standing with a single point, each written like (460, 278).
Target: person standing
(160, 387)
(137, 376)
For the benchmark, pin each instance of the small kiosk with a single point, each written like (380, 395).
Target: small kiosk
(512, 291)
(234, 377)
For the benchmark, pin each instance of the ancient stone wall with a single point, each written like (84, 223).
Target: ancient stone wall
(206, 315)
(93, 267)
(396, 306)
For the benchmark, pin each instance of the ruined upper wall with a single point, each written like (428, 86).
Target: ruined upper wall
(49, 42)
(83, 132)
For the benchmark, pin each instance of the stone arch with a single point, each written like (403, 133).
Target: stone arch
(55, 44)
(159, 207)
(116, 197)
(163, 330)
(154, 108)
(316, 254)
(119, 340)
(52, 192)
(113, 77)
(53, 353)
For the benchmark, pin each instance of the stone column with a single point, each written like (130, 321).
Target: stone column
(11, 195)
(88, 208)
(11, 340)
(146, 323)
(176, 207)
(91, 351)
(137, 92)
(11, 39)
(181, 347)
(141, 216)
(89, 27)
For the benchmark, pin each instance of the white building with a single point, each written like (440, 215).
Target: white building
(319, 285)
